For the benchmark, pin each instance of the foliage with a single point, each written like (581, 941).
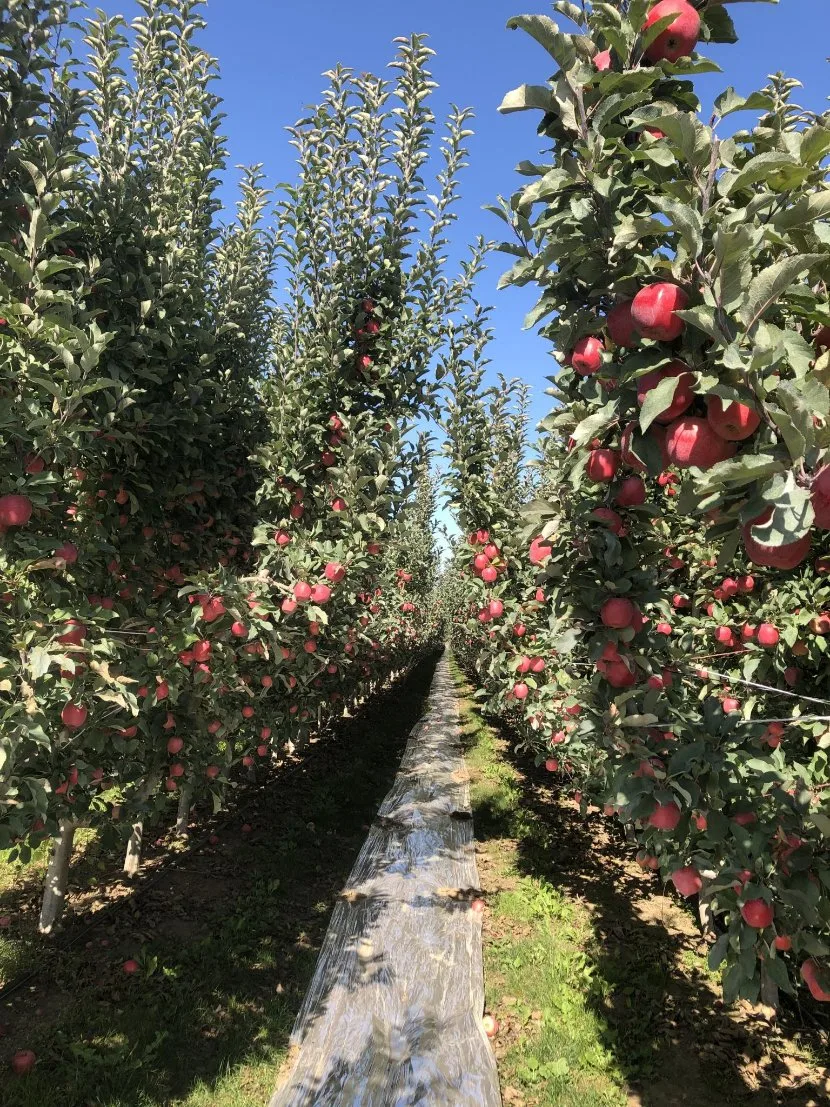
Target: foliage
(694, 498)
(209, 453)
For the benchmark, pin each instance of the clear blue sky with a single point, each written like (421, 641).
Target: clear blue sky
(272, 54)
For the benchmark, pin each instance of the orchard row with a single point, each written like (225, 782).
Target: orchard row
(215, 517)
(660, 636)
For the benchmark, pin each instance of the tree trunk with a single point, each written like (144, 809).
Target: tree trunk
(769, 992)
(183, 812)
(132, 859)
(57, 878)
(704, 903)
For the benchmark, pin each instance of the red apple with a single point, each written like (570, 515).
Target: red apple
(175, 745)
(68, 552)
(334, 571)
(603, 465)
(74, 715)
(23, 1062)
(757, 913)
(768, 635)
(821, 508)
(631, 493)
(787, 556)
(665, 816)
(810, 971)
(15, 510)
(75, 636)
(540, 551)
(735, 422)
(618, 674)
(687, 881)
(620, 326)
(690, 441)
(653, 308)
(586, 356)
(302, 591)
(130, 967)
(609, 518)
(681, 35)
(617, 612)
(602, 60)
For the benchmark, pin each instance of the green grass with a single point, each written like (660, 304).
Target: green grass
(600, 980)
(538, 975)
(227, 940)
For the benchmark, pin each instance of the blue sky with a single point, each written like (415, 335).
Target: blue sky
(272, 55)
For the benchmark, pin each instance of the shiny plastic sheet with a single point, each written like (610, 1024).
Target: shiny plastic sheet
(393, 1014)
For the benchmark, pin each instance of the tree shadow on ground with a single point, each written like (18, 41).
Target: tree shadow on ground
(663, 1020)
(227, 941)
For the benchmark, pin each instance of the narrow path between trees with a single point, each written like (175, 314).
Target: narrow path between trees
(393, 1013)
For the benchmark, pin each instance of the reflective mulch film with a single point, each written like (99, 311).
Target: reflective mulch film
(393, 1014)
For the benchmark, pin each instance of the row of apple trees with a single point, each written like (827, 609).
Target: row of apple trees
(663, 643)
(215, 514)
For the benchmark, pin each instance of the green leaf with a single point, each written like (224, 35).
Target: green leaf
(807, 209)
(719, 25)
(771, 283)
(763, 167)
(729, 101)
(589, 427)
(792, 512)
(547, 34)
(685, 220)
(611, 107)
(815, 144)
(527, 97)
(744, 469)
(776, 969)
(39, 662)
(570, 11)
(682, 129)
(657, 400)
(718, 952)
(793, 439)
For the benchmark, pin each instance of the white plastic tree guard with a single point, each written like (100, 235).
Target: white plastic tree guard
(393, 1014)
